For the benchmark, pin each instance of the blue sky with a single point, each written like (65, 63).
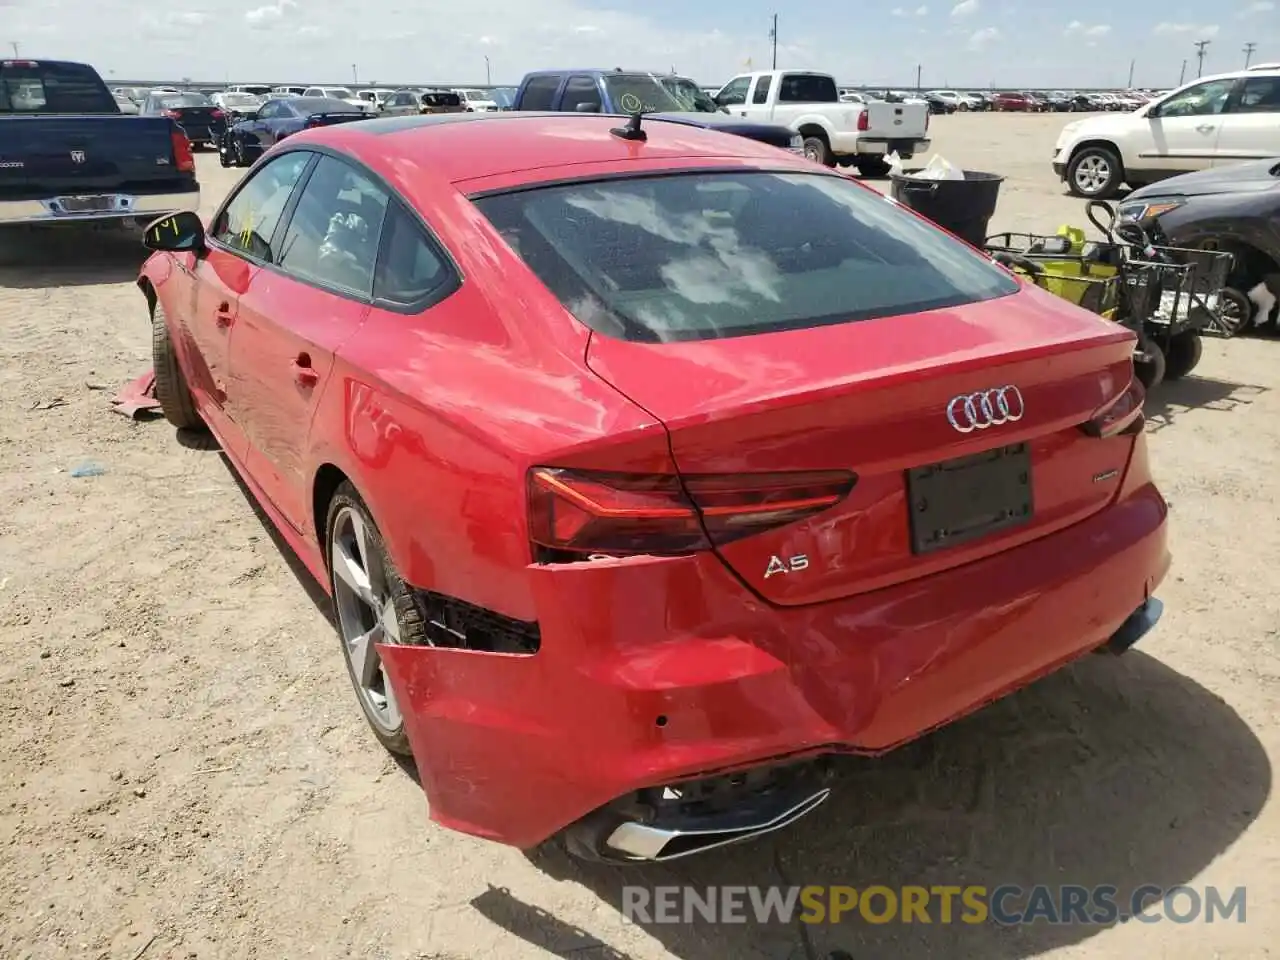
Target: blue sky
(961, 44)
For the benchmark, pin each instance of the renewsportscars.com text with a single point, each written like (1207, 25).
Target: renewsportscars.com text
(1007, 905)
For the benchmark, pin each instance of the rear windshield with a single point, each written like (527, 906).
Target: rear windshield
(722, 254)
(441, 100)
(32, 87)
(185, 100)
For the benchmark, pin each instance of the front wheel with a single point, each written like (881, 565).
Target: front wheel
(371, 606)
(1235, 310)
(172, 392)
(1095, 173)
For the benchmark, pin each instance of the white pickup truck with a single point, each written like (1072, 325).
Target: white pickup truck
(852, 135)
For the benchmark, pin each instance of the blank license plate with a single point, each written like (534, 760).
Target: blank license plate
(95, 204)
(960, 500)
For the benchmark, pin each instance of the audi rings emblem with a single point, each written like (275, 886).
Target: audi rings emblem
(986, 408)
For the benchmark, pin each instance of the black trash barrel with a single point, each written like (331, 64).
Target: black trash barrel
(963, 206)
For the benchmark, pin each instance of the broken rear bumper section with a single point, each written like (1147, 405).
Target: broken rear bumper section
(668, 710)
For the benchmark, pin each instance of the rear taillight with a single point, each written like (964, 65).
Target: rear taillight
(585, 512)
(1122, 417)
(864, 120)
(183, 159)
(173, 114)
(216, 114)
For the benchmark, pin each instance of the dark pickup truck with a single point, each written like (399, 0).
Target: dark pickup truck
(67, 153)
(661, 96)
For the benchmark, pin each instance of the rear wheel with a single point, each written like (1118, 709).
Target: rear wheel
(371, 606)
(172, 392)
(1183, 354)
(818, 150)
(872, 166)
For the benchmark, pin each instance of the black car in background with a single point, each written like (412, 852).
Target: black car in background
(244, 142)
(198, 116)
(1235, 209)
(937, 104)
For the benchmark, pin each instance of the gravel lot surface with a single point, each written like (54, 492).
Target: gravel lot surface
(184, 771)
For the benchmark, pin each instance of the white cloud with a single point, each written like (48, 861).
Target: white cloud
(922, 11)
(965, 8)
(1077, 29)
(898, 12)
(1262, 6)
(1200, 31)
(263, 16)
(981, 38)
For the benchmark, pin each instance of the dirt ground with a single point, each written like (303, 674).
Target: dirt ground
(184, 771)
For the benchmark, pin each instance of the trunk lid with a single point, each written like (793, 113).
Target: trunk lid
(872, 398)
(50, 154)
(198, 118)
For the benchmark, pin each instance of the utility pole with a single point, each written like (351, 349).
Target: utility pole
(1200, 45)
(1132, 64)
(355, 75)
(773, 35)
(1183, 75)
(918, 69)
(488, 74)
(16, 54)
(1248, 52)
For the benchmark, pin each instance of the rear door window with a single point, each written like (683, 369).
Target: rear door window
(808, 88)
(723, 254)
(28, 86)
(411, 269)
(333, 234)
(1259, 95)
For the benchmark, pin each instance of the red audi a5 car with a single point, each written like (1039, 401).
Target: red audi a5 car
(648, 468)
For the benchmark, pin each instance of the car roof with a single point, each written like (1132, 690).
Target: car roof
(470, 146)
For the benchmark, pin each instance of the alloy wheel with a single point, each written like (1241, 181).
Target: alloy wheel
(1092, 174)
(366, 614)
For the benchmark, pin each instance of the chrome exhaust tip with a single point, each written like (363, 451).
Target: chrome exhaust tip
(635, 842)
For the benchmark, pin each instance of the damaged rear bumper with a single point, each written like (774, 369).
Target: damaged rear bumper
(654, 673)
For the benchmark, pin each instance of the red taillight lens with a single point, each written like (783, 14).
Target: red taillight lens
(173, 114)
(864, 120)
(613, 513)
(1123, 416)
(183, 159)
(217, 114)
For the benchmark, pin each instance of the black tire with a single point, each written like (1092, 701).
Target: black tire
(172, 392)
(1183, 354)
(1150, 369)
(1095, 173)
(1235, 311)
(409, 614)
(818, 150)
(237, 150)
(872, 166)
(224, 156)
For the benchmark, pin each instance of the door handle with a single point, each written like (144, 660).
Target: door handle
(1206, 128)
(305, 374)
(223, 316)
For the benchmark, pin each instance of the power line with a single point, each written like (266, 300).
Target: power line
(1248, 52)
(1200, 45)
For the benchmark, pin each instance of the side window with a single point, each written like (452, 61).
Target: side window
(250, 219)
(1259, 95)
(734, 92)
(269, 110)
(581, 95)
(333, 236)
(313, 92)
(1204, 99)
(540, 92)
(761, 94)
(410, 268)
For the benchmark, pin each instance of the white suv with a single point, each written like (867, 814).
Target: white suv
(1210, 122)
